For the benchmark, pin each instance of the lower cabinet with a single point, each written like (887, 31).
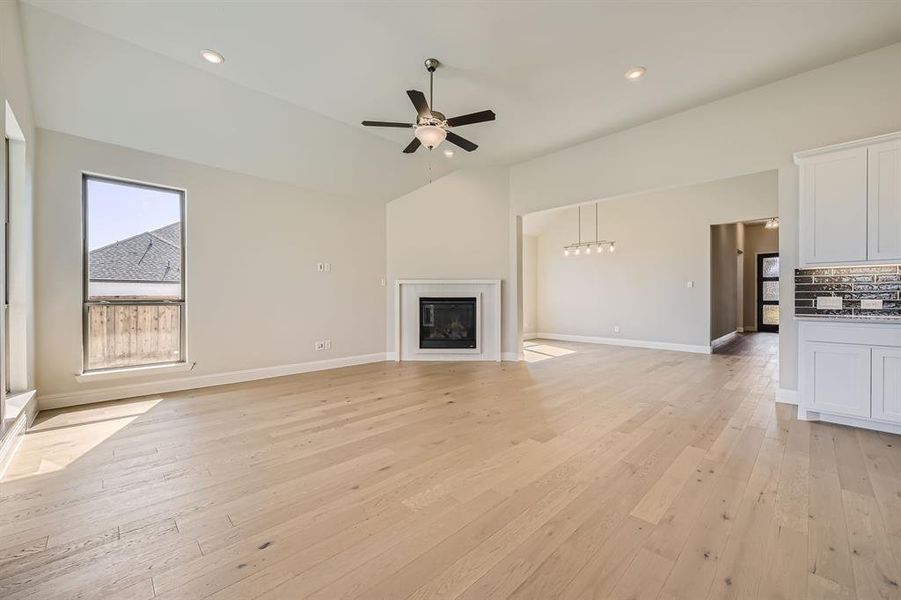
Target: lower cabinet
(839, 378)
(886, 396)
(851, 372)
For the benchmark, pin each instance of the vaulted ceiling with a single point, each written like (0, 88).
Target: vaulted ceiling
(299, 77)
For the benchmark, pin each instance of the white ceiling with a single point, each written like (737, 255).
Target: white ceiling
(300, 76)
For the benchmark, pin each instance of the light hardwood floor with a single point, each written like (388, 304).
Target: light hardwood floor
(608, 472)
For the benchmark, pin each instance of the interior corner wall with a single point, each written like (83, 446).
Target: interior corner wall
(457, 227)
(530, 284)
(750, 132)
(758, 239)
(724, 297)
(14, 90)
(642, 288)
(254, 297)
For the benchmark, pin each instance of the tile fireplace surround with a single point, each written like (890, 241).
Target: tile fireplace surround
(407, 293)
(852, 284)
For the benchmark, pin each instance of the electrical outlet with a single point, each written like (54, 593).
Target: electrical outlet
(328, 267)
(689, 284)
(616, 329)
(829, 302)
(382, 282)
(328, 344)
(320, 267)
(871, 304)
(320, 346)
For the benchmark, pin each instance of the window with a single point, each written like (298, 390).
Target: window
(768, 292)
(134, 285)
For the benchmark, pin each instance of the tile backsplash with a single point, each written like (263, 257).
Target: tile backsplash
(852, 284)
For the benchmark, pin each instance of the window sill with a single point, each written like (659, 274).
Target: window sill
(133, 372)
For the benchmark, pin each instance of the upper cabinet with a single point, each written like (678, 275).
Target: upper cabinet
(850, 203)
(884, 200)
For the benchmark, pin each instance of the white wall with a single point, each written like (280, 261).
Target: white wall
(458, 227)
(14, 92)
(662, 242)
(751, 132)
(529, 284)
(254, 297)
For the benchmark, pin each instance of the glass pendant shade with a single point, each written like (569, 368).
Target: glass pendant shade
(430, 135)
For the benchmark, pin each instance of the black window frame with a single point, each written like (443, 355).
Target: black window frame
(760, 301)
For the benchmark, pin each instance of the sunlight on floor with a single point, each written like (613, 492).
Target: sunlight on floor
(67, 438)
(535, 352)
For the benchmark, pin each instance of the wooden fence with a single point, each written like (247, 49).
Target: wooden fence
(121, 335)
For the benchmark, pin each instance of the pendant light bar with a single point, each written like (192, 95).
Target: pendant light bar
(599, 244)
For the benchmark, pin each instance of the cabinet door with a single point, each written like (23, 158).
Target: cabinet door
(884, 200)
(837, 378)
(834, 207)
(887, 384)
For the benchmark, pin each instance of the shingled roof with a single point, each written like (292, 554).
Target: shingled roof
(149, 256)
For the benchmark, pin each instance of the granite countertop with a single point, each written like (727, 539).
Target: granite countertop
(851, 318)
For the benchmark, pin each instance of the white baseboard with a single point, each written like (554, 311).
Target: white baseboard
(809, 415)
(626, 342)
(786, 396)
(13, 438)
(50, 401)
(723, 339)
(740, 329)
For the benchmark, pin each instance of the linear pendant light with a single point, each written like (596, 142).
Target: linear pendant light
(599, 244)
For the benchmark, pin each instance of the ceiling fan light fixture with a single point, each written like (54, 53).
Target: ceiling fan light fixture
(430, 135)
(449, 153)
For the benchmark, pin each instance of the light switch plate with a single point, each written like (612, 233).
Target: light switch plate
(871, 304)
(829, 302)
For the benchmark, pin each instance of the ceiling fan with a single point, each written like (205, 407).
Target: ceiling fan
(432, 127)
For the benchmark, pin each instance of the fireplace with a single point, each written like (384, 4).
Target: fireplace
(447, 323)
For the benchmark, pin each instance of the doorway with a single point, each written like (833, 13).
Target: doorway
(768, 292)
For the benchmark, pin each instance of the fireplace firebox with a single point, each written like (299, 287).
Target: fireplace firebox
(447, 323)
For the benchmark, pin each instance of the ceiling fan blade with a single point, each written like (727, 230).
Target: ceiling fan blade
(453, 138)
(419, 101)
(386, 124)
(476, 117)
(412, 146)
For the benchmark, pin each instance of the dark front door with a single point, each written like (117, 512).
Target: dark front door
(768, 292)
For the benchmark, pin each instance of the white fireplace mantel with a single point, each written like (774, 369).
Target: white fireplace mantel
(406, 317)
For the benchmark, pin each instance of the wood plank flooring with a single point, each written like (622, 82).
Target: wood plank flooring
(602, 473)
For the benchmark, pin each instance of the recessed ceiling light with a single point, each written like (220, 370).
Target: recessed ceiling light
(448, 153)
(635, 73)
(211, 56)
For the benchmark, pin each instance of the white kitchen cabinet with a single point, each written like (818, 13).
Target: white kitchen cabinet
(834, 207)
(884, 200)
(839, 378)
(850, 373)
(850, 202)
(886, 394)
